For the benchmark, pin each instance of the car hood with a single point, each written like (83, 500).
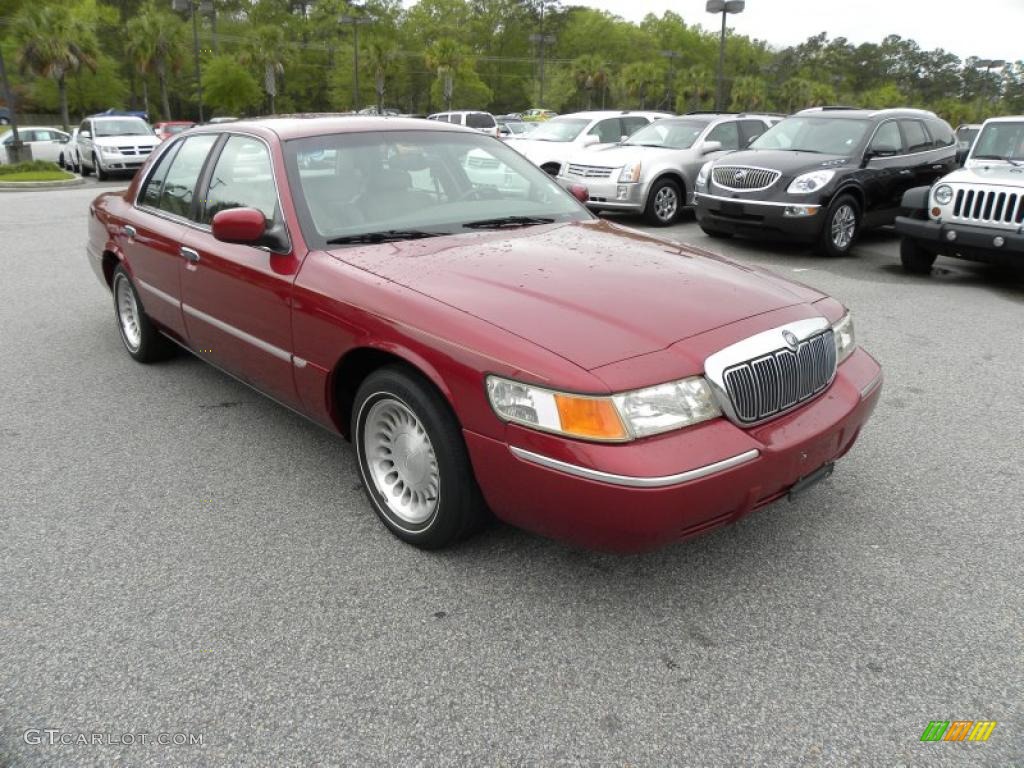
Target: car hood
(592, 292)
(984, 172)
(789, 162)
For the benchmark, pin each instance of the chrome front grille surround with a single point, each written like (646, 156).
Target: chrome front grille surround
(989, 205)
(588, 171)
(766, 375)
(743, 178)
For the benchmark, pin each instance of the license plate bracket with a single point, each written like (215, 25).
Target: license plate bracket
(821, 473)
(731, 209)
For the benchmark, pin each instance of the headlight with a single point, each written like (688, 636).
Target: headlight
(943, 194)
(810, 182)
(109, 151)
(630, 173)
(846, 342)
(703, 173)
(615, 418)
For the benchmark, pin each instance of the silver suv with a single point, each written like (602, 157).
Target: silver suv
(654, 171)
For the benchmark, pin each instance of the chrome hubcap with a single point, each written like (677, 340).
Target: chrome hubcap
(665, 203)
(844, 221)
(128, 314)
(401, 461)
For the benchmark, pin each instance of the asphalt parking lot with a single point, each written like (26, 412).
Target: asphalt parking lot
(182, 556)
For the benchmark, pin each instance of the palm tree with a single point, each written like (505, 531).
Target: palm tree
(590, 74)
(53, 42)
(748, 93)
(444, 57)
(380, 60)
(267, 54)
(156, 43)
(694, 85)
(638, 78)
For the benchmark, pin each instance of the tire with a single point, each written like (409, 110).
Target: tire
(83, 169)
(842, 225)
(718, 234)
(916, 260)
(140, 337)
(101, 175)
(397, 412)
(664, 203)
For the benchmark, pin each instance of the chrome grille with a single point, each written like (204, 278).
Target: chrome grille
(743, 178)
(989, 206)
(133, 150)
(588, 171)
(774, 383)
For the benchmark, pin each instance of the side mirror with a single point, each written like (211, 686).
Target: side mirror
(710, 146)
(239, 225)
(579, 192)
(590, 140)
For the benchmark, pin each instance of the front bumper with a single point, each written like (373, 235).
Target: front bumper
(642, 495)
(607, 194)
(758, 218)
(970, 242)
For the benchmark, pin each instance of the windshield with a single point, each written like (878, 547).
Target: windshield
(407, 184)
(128, 126)
(1000, 141)
(560, 129)
(673, 134)
(825, 135)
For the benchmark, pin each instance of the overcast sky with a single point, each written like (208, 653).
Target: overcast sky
(985, 28)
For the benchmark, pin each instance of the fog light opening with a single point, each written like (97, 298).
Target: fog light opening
(951, 236)
(800, 210)
(998, 242)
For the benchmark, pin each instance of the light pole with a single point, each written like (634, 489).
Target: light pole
(355, 21)
(195, 7)
(670, 91)
(989, 65)
(542, 41)
(723, 7)
(16, 150)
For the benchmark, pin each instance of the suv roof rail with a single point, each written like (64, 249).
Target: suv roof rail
(708, 112)
(912, 110)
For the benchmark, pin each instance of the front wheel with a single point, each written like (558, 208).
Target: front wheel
(916, 260)
(664, 202)
(413, 461)
(101, 175)
(141, 338)
(842, 225)
(82, 167)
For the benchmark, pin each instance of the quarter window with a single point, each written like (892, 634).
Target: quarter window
(916, 137)
(179, 185)
(242, 178)
(727, 133)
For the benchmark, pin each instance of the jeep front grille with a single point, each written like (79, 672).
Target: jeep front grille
(988, 206)
(742, 178)
(778, 381)
(588, 171)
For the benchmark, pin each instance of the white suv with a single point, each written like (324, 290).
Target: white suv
(480, 121)
(113, 145)
(556, 139)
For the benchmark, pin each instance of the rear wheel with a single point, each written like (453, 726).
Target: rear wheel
(842, 225)
(664, 202)
(413, 461)
(141, 338)
(916, 260)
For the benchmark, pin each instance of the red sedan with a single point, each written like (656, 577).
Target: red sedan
(486, 343)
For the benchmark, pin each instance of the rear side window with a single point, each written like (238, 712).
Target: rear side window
(727, 133)
(179, 185)
(915, 136)
(887, 139)
(242, 178)
(479, 120)
(154, 184)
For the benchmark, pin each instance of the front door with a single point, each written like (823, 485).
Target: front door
(237, 298)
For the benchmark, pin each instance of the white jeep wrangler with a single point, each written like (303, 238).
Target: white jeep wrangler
(975, 213)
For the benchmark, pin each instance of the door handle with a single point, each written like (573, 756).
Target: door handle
(128, 231)
(189, 254)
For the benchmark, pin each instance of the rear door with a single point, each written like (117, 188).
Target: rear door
(151, 240)
(237, 298)
(922, 160)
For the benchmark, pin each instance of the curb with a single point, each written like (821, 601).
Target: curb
(10, 186)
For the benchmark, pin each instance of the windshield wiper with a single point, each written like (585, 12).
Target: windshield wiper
(384, 236)
(508, 221)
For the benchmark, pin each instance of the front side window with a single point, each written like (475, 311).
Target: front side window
(149, 195)
(242, 178)
(726, 133)
(182, 177)
(424, 182)
(821, 135)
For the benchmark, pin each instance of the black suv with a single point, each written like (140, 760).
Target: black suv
(824, 174)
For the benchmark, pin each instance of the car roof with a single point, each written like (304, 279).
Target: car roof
(302, 126)
(37, 128)
(856, 113)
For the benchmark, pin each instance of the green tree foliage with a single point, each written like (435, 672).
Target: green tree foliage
(229, 87)
(267, 53)
(155, 43)
(643, 80)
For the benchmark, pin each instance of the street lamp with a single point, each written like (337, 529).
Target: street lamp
(17, 150)
(542, 41)
(670, 91)
(195, 7)
(723, 7)
(988, 65)
(355, 21)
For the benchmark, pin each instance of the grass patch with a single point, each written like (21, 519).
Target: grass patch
(54, 175)
(33, 166)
